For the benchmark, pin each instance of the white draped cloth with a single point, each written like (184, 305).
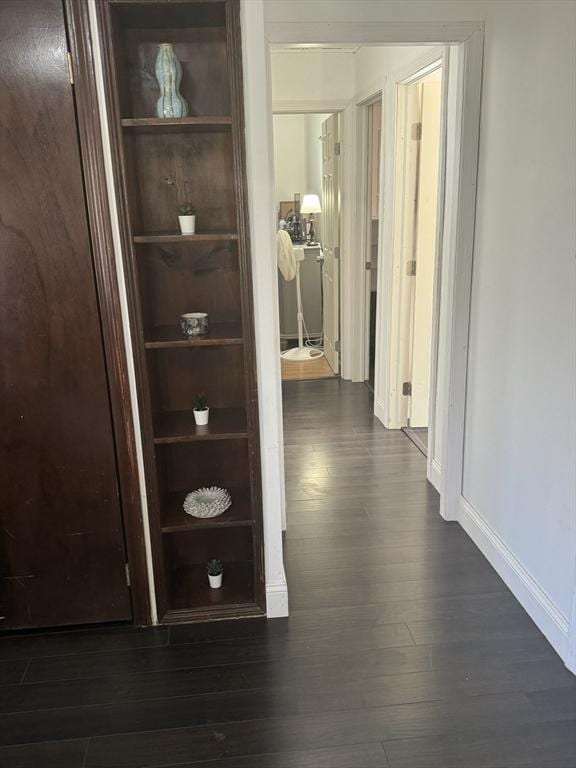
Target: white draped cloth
(286, 255)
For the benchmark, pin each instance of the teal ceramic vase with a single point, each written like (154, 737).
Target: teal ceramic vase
(169, 76)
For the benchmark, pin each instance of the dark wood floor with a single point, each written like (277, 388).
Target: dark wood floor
(419, 436)
(403, 650)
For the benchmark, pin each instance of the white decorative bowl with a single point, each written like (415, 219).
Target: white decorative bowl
(207, 502)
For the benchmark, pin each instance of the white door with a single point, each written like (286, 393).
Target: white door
(425, 251)
(331, 239)
(411, 236)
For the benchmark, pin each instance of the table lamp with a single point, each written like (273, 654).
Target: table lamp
(311, 205)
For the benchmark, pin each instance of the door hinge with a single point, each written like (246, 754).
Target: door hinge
(407, 388)
(417, 131)
(337, 252)
(337, 148)
(70, 70)
(127, 570)
(411, 268)
(337, 346)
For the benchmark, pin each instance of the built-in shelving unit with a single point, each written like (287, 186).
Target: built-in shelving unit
(169, 274)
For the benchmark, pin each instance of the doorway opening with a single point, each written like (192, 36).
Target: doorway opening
(373, 144)
(390, 117)
(307, 203)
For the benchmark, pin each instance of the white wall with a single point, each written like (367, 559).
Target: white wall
(290, 165)
(519, 473)
(520, 428)
(373, 63)
(298, 158)
(314, 153)
(315, 75)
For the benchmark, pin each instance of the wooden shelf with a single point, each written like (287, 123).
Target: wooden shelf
(189, 588)
(180, 427)
(174, 519)
(176, 237)
(198, 123)
(170, 336)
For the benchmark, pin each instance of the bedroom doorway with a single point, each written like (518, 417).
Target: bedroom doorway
(307, 150)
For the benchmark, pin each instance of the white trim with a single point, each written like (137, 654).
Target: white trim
(371, 32)
(276, 599)
(350, 276)
(260, 183)
(313, 106)
(541, 608)
(460, 250)
(121, 280)
(434, 470)
(433, 466)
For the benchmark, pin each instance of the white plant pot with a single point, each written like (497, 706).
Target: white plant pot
(201, 417)
(215, 581)
(187, 224)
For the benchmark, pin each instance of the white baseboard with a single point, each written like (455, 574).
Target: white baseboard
(276, 599)
(380, 412)
(570, 660)
(545, 614)
(435, 473)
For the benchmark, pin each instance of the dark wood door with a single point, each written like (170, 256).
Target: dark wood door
(62, 558)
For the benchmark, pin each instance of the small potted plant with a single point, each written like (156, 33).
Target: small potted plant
(201, 410)
(215, 570)
(187, 218)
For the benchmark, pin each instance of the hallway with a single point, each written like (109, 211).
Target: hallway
(403, 649)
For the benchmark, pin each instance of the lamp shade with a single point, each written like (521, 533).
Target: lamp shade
(310, 204)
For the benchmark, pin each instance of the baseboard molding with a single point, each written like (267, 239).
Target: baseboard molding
(546, 615)
(435, 474)
(571, 656)
(380, 412)
(276, 599)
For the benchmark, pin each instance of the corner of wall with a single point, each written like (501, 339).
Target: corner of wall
(538, 604)
(259, 165)
(276, 599)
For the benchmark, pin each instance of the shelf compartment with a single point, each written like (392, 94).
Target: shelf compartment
(174, 519)
(189, 588)
(165, 167)
(169, 336)
(180, 427)
(184, 466)
(198, 34)
(176, 237)
(198, 123)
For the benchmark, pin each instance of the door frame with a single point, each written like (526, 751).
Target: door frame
(390, 406)
(257, 38)
(363, 208)
(109, 287)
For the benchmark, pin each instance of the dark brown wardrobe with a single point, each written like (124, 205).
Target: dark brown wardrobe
(63, 554)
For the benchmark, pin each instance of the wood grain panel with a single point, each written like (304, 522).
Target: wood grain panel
(61, 538)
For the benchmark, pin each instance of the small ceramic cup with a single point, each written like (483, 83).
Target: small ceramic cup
(194, 323)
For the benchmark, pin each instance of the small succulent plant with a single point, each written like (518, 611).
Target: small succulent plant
(200, 403)
(215, 567)
(186, 209)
